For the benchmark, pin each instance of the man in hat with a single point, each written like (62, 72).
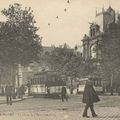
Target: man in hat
(64, 94)
(9, 91)
(89, 97)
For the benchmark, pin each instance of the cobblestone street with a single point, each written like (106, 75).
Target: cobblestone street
(104, 114)
(53, 109)
(60, 60)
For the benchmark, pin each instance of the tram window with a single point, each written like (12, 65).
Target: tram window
(42, 79)
(99, 82)
(32, 81)
(39, 81)
(95, 82)
(35, 81)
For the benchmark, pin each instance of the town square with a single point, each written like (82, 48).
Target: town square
(60, 60)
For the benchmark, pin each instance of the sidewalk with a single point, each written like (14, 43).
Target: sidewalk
(3, 99)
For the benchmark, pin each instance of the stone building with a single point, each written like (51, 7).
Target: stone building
(105, 29)
(106, 24)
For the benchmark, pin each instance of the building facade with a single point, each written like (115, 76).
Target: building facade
(106, 25)
(105, 30)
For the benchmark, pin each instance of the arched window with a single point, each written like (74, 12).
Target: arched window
(93, 51)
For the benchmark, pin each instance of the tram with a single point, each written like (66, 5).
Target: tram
(97, 84)
(47, 83)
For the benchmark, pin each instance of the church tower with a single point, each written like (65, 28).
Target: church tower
(92, 42)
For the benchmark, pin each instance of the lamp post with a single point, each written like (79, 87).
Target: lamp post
(111, 84)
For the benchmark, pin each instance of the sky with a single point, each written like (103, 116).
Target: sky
(70, 26)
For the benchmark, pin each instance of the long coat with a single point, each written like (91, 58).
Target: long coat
(89, 94)
(63, 92)
(8, 90)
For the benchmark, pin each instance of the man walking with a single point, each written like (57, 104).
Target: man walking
(8, 91)
(21, 91)
(64, 94)
(89, 97)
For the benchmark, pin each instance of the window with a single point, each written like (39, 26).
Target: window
(96, 82)
(99, 82)
(93, 51)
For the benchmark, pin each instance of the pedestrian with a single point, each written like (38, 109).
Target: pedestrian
(8, 91)
(3, 91)
(89, 97)
(118, 90)
(64, 94)
(21, 91)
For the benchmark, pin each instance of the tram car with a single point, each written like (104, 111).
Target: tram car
(97, 84)
(46, 84)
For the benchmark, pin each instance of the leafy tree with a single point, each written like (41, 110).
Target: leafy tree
(59, 57)
(66, 61)
(19, 41)
(74, 67)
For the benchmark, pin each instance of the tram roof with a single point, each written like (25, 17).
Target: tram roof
(83, 79)
(87, 78)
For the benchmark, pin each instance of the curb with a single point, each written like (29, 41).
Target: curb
(14, 101)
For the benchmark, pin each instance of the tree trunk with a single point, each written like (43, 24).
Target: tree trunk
(71, 88)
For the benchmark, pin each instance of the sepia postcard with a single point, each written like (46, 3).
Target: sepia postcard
(59, 60)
